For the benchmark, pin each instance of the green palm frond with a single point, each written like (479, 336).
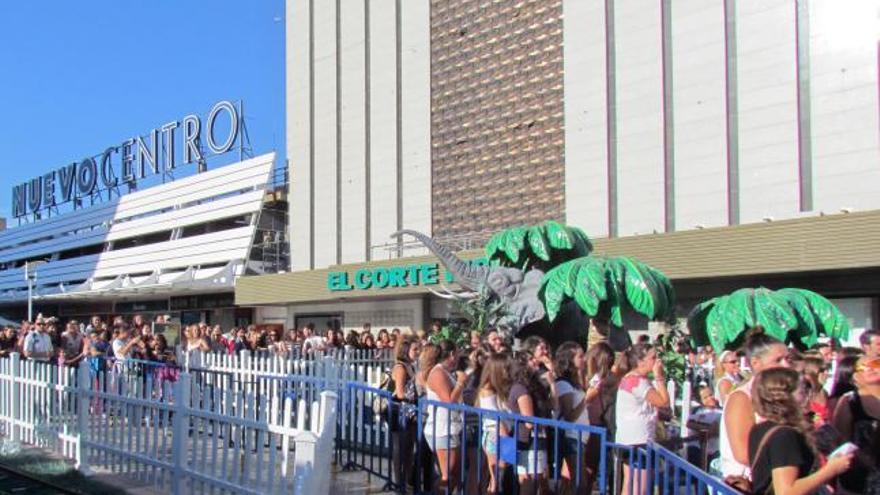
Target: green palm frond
(608, 286)
(543, 245)
(790, 315)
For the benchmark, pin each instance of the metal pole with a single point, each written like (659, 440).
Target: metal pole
(30, 284)
(241, 130)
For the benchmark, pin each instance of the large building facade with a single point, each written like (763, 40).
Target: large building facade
(643, 122)
(163, 223)
(172, 249)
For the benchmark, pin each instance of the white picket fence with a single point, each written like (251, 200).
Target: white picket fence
(259, 369)
(183, 434)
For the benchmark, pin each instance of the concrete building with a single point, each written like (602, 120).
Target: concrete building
(644, 123)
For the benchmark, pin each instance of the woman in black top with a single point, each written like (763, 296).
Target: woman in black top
(403, 412)
(857, 418)
(785, 461)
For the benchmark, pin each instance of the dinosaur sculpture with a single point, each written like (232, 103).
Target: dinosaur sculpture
(516, 288)
(551, 286)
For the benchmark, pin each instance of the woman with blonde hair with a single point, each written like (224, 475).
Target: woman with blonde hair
(727, 375)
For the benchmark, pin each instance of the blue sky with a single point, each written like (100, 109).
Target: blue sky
(78, 77)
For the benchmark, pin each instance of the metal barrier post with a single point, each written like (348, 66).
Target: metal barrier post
(182, 391)
(15, 388)
(83, 383)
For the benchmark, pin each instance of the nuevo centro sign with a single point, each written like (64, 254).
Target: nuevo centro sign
(417, 274)
(130, 161)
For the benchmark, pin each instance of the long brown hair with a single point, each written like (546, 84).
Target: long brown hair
(430, 356)
(600, 359)
(496, 375)
(636, 353)
(401, 349)
(564, 364)
(773, 397)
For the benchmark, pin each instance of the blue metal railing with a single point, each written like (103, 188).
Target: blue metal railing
(363, 432)
(374, 425)
(376, 428)
(670, 473)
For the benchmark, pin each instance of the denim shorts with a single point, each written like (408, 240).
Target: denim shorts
(444, 442)
(571, 446)
(490, 442)
(531, 462)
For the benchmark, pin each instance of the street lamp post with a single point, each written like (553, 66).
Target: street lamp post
(30, 276)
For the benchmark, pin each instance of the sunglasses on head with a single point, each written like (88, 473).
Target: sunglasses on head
(873, 364)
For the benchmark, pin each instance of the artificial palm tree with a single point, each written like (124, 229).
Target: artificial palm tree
(791, 315)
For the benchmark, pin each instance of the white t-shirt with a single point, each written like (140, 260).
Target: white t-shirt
(563, 388)
(636, 417)
(117, 346)
(37, 342)
(314, 343)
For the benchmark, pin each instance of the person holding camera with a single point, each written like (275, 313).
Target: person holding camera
(638, 400)
(124, 345)
(443, 426)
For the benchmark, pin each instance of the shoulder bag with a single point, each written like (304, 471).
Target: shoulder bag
(743, 484)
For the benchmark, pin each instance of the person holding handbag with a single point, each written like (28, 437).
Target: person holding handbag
(782, 451)
(403, 408)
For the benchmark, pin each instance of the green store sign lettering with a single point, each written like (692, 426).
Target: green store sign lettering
(418, 274)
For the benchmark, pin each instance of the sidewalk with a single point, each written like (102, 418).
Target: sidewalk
(48, 464)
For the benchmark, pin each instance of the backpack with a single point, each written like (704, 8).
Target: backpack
(380, 401)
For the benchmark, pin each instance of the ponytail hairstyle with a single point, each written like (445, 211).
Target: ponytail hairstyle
(636, 353)
(564, 363)
(758, 343)
(447, 348)
(773, 397)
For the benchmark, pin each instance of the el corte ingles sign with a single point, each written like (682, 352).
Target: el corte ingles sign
(131, 160)
(416, 274)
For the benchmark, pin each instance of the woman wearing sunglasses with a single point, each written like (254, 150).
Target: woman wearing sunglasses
(727, 375)
(857, 418)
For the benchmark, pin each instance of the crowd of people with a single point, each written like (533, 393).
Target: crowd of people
(119, 339)
(783, 413)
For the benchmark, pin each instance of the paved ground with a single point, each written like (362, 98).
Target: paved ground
(342, 482)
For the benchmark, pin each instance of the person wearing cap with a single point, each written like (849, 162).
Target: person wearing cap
(857, 418)
(37, 343)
